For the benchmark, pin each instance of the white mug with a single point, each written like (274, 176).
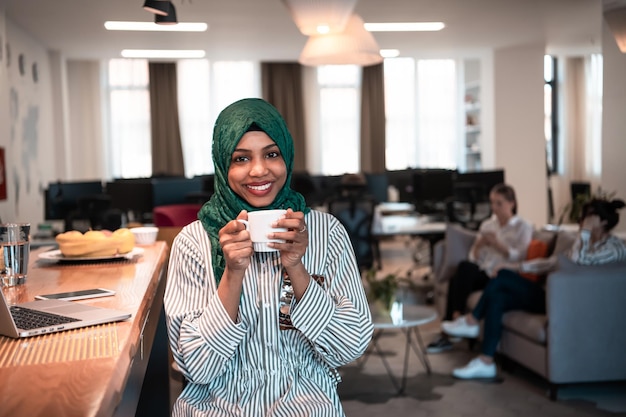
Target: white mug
(259, 224)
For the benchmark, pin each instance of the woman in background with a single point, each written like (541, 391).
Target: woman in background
(595, 245)
(503, 237)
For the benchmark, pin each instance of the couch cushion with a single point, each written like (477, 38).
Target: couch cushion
(564, 241)
(458, 242)
(536, 249)
(531, 326)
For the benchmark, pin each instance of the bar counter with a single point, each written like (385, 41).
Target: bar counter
(95, 371)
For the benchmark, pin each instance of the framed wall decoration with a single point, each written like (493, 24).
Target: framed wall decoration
(3, 176)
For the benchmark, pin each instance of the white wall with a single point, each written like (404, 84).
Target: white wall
(518, 118)
(85, 159)
(26, 126)
(7, 209)
(614, 120)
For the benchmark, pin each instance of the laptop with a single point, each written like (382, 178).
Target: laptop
(51, 316)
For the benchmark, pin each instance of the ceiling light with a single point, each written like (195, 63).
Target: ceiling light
(354, 46)
(169, 19)
(159, 7)
(163, 53)
(389, 53)
(309, 15)
(151, 26)
(405, 27)
(616, 20)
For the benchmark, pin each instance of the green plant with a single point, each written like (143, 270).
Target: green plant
(574, 208)
(383, 289)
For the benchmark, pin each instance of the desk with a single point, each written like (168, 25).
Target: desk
(408, 224)
(96, 371)
(405, 317)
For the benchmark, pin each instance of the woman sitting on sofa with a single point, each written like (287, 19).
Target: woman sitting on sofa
(595, 245)
(502, 237)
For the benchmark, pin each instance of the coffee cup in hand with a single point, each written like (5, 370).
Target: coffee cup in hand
(259, 224)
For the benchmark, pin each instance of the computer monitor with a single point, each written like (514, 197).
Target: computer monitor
(174, 190)
(485, 180)
(402, 180)
(132, 196)
(61, 198)
(431, 189)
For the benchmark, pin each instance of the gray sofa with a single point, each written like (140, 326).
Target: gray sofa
(582, 336)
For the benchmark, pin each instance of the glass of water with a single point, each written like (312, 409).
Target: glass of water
(15, 246)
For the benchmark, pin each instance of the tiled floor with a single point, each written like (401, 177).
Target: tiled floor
(368, 392)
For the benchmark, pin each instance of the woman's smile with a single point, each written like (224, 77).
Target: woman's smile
(260, 188)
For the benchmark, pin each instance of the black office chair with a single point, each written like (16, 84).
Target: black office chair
(356, 214)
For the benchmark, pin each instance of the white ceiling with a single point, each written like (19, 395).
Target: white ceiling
(263, 29)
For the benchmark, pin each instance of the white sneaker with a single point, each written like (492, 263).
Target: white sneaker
(475, 369)
(460, 328)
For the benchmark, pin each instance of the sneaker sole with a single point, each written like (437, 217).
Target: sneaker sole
(493, 379)
(463, 336)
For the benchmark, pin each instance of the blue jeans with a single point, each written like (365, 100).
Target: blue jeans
(508, 291)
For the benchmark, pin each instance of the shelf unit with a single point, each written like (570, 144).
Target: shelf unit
(472, 113)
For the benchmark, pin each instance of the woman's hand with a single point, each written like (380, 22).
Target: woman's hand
(489, 238)
(592, 223)
(237, 247)
(236, 244)
(296, 238)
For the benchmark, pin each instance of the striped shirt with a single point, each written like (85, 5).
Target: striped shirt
(611, 249)
(259, 366)
(583, 252)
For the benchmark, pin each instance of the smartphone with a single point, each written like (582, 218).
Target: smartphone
(77, 295)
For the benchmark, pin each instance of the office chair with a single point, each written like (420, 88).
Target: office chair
(175, 215)
(356, 214)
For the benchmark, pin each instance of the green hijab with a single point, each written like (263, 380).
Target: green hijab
(225, 205)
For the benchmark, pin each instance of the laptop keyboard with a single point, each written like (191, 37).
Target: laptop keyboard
(28, 319)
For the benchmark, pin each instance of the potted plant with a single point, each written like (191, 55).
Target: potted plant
(574, 208)
(383, 290)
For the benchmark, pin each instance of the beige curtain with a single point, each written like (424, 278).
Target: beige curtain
(373, 119)
(282, 86)
(167, 151)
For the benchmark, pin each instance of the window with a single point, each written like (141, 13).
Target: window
(550, 120)
(339, 118)
(204, 89)
(420, 103)
(400, 113)
(193, 114)
(593, 116)
(129, 145)
(437, 131)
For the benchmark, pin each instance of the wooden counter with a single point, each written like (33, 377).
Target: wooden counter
(93, 371)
